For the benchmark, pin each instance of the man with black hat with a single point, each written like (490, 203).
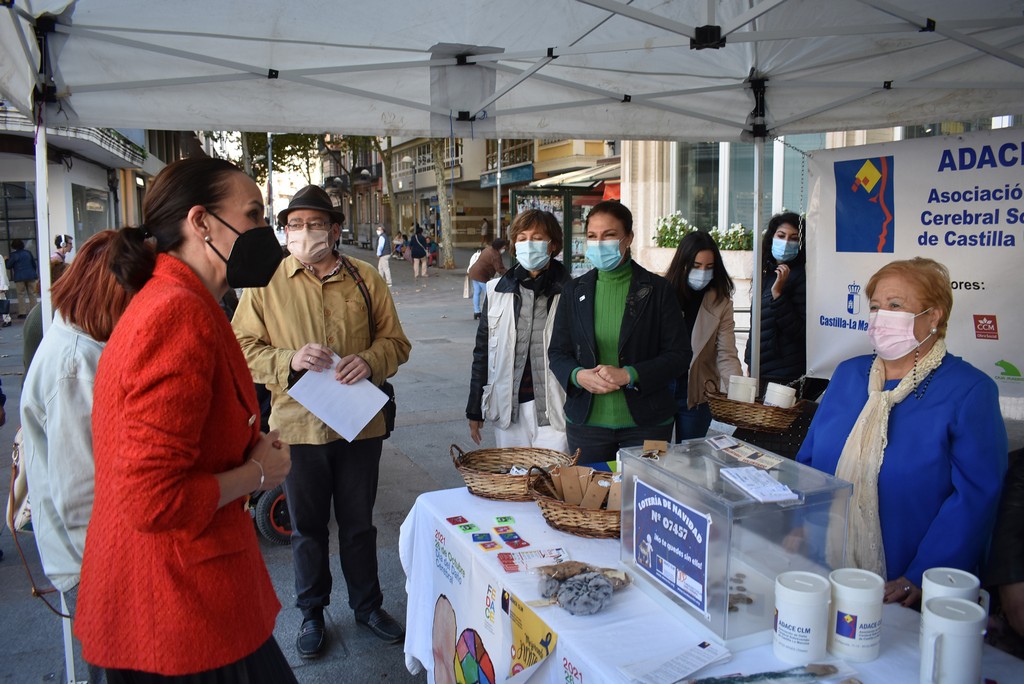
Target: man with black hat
(316, 306)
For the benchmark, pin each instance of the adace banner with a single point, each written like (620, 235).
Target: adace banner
(956, 199)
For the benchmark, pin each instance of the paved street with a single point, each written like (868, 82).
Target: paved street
(431, 392)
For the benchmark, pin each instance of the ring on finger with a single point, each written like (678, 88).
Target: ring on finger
(906, 588)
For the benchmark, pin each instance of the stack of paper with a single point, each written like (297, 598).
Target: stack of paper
(759, 484)
(660, 670)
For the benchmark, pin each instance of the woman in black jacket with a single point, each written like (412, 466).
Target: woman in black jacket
(783, 301)
(618, 342)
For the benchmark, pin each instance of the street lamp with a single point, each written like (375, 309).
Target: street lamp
(415, 199)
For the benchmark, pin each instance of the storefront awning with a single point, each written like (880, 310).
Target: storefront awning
(582, 178)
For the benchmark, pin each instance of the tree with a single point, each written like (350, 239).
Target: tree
(291, 152)
(387, 159)
(444, 202)
(343, 147)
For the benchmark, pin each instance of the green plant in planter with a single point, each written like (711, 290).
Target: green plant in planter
(735, 237)
(670, 230)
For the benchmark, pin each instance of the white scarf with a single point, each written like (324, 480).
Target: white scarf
(861, 462)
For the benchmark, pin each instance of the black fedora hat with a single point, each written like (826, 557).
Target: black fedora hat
(311, 197)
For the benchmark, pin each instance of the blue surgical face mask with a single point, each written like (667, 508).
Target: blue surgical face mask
(784, 250)
(533, 254)
(699, 279)
(604, 254)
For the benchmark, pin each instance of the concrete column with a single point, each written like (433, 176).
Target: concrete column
(646, 189)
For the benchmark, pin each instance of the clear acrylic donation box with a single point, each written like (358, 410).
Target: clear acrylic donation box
(710, 552)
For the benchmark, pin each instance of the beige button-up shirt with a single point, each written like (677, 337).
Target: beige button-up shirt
(272, 323)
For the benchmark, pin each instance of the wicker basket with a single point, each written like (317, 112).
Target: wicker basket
(582, 522)
(754, 416)
(486, 470)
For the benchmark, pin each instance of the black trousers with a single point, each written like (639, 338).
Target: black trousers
(345, 473)
(264, 665)
(600, 444)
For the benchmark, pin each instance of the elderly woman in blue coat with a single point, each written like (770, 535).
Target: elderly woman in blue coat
(918, 431)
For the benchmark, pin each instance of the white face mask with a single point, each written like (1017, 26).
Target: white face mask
(699, 279)
(309, 246)
(892, 333)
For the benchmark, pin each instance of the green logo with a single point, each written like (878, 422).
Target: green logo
(1009, 370)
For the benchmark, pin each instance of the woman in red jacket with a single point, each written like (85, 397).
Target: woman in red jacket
(173, 584)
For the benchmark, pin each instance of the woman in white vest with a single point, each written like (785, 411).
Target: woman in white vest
(511, 385)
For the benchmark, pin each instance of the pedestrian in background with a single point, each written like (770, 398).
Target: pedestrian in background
(174, 587)
(487, 265)
(25, 275)
(5, 286)
(324, 312)
(63, 245)
(383, 255)
(418, 249)
(431, 251)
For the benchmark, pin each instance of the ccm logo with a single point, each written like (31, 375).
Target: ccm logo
(985, 327)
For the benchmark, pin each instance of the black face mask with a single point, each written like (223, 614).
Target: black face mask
(254, 257)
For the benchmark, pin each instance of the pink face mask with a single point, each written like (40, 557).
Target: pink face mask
(892, 333)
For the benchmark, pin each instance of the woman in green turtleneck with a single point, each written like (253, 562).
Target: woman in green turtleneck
(618, 341)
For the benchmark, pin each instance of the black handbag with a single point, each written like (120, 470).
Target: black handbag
(5, 306)
(390, 407)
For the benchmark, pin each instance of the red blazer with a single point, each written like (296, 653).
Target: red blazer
(170, 583)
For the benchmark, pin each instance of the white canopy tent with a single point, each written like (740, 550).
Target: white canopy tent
(492, 68)
(646, 69)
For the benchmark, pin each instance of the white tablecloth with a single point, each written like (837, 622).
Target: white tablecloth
(440, 559)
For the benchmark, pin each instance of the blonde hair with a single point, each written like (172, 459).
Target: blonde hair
(929, 278)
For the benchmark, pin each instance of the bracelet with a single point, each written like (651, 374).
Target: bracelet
(262, 476)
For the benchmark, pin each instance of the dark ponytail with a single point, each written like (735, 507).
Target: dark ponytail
(198, 181)
(131, 258)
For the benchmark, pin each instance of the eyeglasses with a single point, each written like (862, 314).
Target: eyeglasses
(309, 225)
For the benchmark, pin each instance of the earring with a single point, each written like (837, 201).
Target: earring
(934, 330)
(207, 238)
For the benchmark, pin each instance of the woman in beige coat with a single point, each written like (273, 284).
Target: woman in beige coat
(704, 290)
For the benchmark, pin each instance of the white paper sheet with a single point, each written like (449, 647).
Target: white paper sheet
(345, 408)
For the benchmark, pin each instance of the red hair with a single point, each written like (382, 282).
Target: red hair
(88, 295)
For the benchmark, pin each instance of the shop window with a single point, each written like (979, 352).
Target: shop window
(92, 211)
(697, 190)
(18, 216)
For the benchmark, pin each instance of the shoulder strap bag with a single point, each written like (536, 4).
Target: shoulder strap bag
(391, 407)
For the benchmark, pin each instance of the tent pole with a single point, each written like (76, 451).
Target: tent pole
(270, 176)
(497, 213)
(43, 219)
(755, 286)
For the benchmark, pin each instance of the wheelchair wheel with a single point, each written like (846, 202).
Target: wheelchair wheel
(272, 519)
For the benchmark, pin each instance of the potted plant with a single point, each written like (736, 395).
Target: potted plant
(736, 243)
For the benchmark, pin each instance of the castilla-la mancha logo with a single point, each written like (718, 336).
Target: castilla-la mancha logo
(985, 327)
